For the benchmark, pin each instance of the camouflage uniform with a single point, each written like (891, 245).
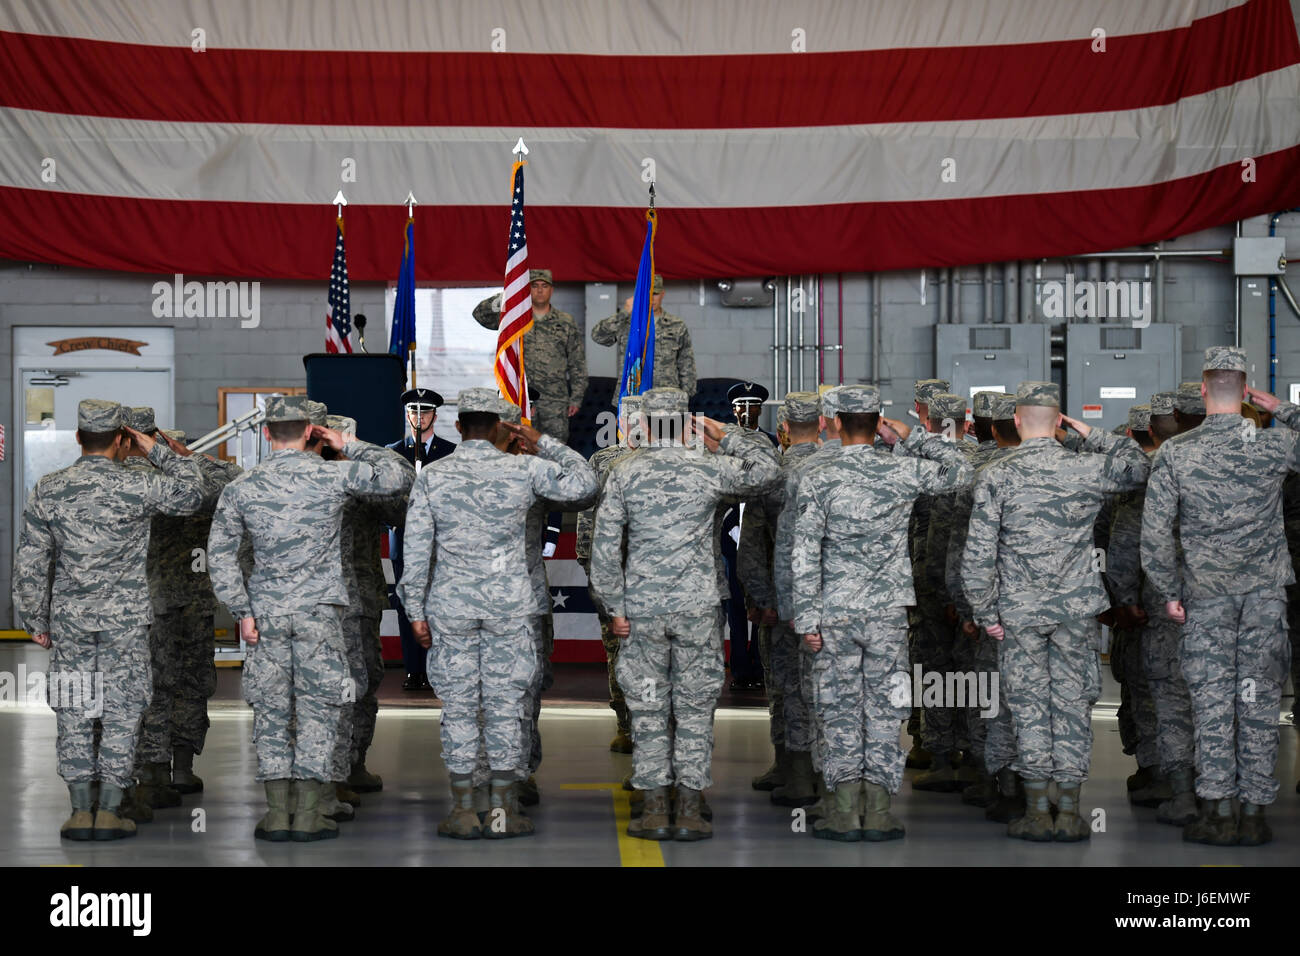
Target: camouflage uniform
(1029, 565)
(182, 636)
(1291, 525)
(601, 462)
(671, 664)
(556, 358)
(466, 573)
(674, 356)
(80, 576)
(291, 507)
(853, 583)
(1223, 482)
(981, 651)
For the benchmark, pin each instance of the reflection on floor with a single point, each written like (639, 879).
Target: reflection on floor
(577, 821)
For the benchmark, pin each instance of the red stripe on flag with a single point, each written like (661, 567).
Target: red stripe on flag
(585, 244)
(690, 92)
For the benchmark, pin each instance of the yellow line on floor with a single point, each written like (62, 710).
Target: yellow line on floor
(631, 851)
(8, 635)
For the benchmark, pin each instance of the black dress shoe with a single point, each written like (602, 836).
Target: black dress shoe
(424, 683)
(412, 682)
(737, 684)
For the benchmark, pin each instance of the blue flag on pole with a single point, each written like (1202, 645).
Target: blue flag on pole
(639, 362)
(402, 337)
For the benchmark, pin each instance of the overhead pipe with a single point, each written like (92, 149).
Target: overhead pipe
(876, 337)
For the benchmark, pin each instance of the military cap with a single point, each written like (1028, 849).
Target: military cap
(782, 416)
(947, 405)
(1004, 408)
(479, 400)
(97, 415)
(540, 275)
(341, 423)
(175, 434)
(801, 407)
(830, 401)
(857, 399)
(927, 387)
(1039, 393)
(1162, 403)
(1139, 418)
(424, 399)
(317, 412)
(1189, 400)
(287, 408)
(657, 285)
(140, 418)
(664, 401)
(510, 412)
(746, 393)
(982, 404)
(1224, 357)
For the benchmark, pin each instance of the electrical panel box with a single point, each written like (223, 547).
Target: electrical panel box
(994, 358)
(1112, 367)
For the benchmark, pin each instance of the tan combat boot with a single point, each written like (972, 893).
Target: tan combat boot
(529, 795)
(1252, 830)
(1010, 804)
(108, 825)
(309, 824)
(940, 778)
(274, 825)
(461, 823)
(506, 818)
(1036, 825)
(1216, 827)
(331, 807)
(878, 824)
(1180, 809)
(183, 779)
(155, 789)
(821, 806)
(773, 776)
(363, 781)
(799, 789)
(688, 820)
(1069, 827)
(653, 823)
(841, 822)
(81, 825)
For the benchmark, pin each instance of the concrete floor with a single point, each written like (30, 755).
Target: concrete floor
(583, 809)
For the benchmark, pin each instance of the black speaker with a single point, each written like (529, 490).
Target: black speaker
(367, 387)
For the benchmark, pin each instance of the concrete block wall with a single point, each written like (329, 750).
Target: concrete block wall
(728, 342)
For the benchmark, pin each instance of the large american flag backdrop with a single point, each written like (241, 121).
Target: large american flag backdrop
(208, 137)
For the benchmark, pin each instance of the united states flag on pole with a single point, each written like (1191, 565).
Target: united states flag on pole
(516, 306)
(338, 324)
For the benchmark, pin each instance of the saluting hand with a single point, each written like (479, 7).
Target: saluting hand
(526, 437)
(174, 445)
(892, 431)
(329, 436)
(711, 431)
(144, 442)
(1078, 426)
(1262, 399)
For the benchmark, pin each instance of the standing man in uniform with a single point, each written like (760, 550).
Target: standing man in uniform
(601, 462)
(1034, 583)
(468, 592)
(421, 406)
(748, 635)
(1223, 482)
(554, 353)
(674, 356)
(291, 606)
(81, 590)
(664, 602)
(852, 587)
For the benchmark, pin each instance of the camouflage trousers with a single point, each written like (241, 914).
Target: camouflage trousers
(617, 703)
(863, 692)
(366, 709)
(488, 665)
(297, 670)
(799, 734)
(771, 687)
(1137, 708)
(354, 638)
(1162, 662)
(808, 697)
(543, 632)
(184, 677)
(98, 678)
(933, 647)
(1293, 627)
(1051, 677)
(993, 738)
(1235, 659)
(551, 419)
(671, 670)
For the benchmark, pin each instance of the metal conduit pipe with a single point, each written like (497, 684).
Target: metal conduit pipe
(839, 333)
(988, 293)
(876, 337)
(954, 295)
(1010, 292)
(821, 355)
(803, 310)
(776, 346)
(942, 283)
(789, 330)
(1158, 291)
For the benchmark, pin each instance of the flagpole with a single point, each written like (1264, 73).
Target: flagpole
(411, 203)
